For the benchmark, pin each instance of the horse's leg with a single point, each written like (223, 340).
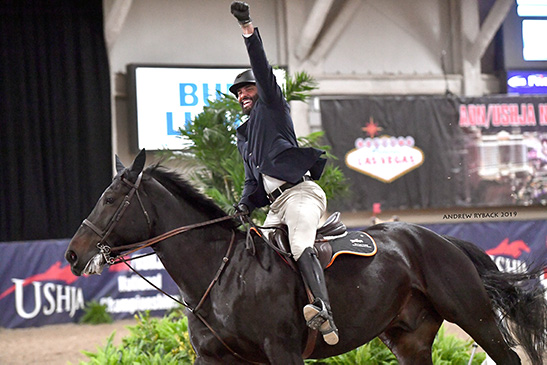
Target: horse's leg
(280, 357)
(410, 338)
(482, 327)
(283, 350)
(462, 299)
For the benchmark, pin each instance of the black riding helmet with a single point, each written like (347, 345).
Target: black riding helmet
(244, 78)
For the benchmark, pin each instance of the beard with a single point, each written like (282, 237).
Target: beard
(248, 103)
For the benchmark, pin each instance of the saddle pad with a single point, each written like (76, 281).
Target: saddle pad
(354, 243)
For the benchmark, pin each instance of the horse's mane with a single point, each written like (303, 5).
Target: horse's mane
(184, 190)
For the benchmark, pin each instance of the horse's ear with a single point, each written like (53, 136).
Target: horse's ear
(138, 164)
(119, 164)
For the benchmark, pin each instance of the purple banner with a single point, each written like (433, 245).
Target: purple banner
(38, 288)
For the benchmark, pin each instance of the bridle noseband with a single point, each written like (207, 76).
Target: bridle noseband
(102, 245)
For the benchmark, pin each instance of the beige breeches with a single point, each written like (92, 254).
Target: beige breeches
(300, 208)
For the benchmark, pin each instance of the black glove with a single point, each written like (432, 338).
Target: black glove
(240, 10)
(242, 208)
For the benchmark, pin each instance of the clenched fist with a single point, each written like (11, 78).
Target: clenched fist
(240, 10)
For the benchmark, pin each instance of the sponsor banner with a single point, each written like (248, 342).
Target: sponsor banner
(37, 287)
(527, 82)
(421, 152)
(514, 245)
(165, 99)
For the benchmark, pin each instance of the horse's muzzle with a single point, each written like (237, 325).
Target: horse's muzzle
(95, 265)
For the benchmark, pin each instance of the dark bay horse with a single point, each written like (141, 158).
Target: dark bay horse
(253, 313)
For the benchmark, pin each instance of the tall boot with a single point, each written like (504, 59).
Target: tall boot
(318, 314)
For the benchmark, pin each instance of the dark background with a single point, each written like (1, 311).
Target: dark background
(55, 122)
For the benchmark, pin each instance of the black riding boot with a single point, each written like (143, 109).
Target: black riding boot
(318, 315)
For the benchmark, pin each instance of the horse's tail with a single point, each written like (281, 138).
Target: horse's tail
(519, 297)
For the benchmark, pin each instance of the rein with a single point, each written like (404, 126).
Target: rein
(195, 310)
(134, 247)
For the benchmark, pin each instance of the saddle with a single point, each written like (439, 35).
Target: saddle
(331, 240)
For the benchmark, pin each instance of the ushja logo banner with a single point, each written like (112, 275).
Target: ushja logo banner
(385, 158)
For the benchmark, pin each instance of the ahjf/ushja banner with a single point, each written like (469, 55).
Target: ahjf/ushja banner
(436, 152)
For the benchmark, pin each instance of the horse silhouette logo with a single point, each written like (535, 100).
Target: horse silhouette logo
(513, 249)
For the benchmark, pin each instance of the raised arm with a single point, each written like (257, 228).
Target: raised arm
(268, 89)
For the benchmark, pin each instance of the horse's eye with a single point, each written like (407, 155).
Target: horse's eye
(109, 200)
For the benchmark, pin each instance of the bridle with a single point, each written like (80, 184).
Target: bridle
(105, 250)
(102, 245)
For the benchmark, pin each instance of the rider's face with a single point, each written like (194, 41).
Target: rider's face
(247, 96)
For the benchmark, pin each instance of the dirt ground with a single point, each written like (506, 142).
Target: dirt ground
(62, 344)
(59, 344)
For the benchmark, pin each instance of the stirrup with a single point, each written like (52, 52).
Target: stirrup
(315, 314)
(318, 318)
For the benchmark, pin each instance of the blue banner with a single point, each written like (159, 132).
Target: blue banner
(514, 246)
(38, 288)
(527, 82)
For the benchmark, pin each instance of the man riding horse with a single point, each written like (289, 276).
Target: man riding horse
(279, 173)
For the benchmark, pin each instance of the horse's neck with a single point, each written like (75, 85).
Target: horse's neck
(192, 258)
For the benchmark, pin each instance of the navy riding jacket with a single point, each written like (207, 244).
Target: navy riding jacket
(267, 141)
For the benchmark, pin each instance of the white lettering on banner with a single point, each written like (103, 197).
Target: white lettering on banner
(148, 263)
(136, 283)
(56, 299)
(537, 80)
(138, 303)
(506, 264)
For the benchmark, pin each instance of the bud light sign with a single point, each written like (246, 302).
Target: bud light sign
(164, 99)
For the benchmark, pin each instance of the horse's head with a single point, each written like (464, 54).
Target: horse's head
(118, 218)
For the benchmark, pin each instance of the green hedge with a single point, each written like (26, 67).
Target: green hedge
(165, 340)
